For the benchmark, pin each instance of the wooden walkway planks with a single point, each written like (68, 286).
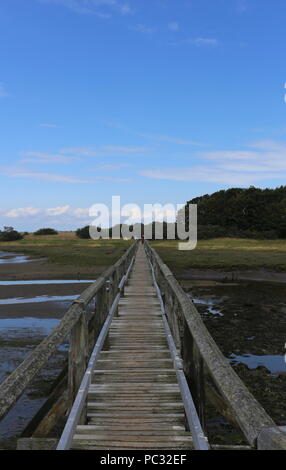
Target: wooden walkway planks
(134, 400)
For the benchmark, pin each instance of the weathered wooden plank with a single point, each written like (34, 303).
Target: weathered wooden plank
(33, 443)
(136, 429)
(134, 438)
(80, 444)
(115, 431)
(136, 421)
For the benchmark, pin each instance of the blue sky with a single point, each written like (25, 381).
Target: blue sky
(154, 101)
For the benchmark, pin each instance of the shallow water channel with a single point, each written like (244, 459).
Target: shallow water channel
(25, 320)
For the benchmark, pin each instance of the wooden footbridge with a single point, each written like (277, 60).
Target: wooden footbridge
(141, 368)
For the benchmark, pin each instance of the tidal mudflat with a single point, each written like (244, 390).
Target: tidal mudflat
(29, 310)
(247, 319)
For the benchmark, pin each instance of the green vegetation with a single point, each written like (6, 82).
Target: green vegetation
(67, 249)
(221, 253)
(9, 234)
(225, 254)
(46, 231)
(83, 232)
(244, 213)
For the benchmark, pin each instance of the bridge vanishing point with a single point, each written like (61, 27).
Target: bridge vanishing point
(141, 366)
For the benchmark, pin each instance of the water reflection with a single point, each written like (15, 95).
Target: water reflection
(210, 306)
(7, 257)
(43, 282)
(274, 363)
(38, 298)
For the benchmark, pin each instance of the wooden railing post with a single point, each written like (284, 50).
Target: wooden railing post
(197, 385)
(78, 356)
(273, 438)
(194, 370)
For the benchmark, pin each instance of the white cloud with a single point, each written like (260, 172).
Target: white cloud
(60, 212)
(231, 167)
(80, 212)
(84, 151)
(174, 26)
(264, 156)
(241, 6)
(104, 151)
(51, 126)
(100, 8)
(169, 138)
(199, 42)
(57, 210)
(41, 157)
(122, 149)
(204, 42)
(201, 173)
(142, 28)
(3, 92)
(155, 137)
(22, 212)
(15, 172)
(111, 167)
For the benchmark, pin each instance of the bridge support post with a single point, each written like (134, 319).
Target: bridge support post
(78, 357)
(194, 372)
(106, 306)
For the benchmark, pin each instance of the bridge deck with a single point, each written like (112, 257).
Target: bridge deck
(134, 399)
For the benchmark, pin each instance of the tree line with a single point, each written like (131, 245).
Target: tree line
(241, 212)
(236, 212)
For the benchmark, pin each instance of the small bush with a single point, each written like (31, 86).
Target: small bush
(46, 231)
(9, 234)
(83, 232)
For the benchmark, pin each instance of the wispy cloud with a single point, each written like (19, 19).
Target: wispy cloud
(83, 151)
(111, 167)
(173, 26)
(100, 8)
(41, 157)
(170, 139)
(261, 161)
(105, 151)
(200, 173)
(123, 149)
(15, 172)
(241, 6)
(142, 28)
(3, 92)
(204, 42)
(51, 126)
(155, 137)
(198, 42)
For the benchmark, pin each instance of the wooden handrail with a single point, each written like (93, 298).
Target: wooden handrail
(78, 405)
(16, 383)
(206, 367)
